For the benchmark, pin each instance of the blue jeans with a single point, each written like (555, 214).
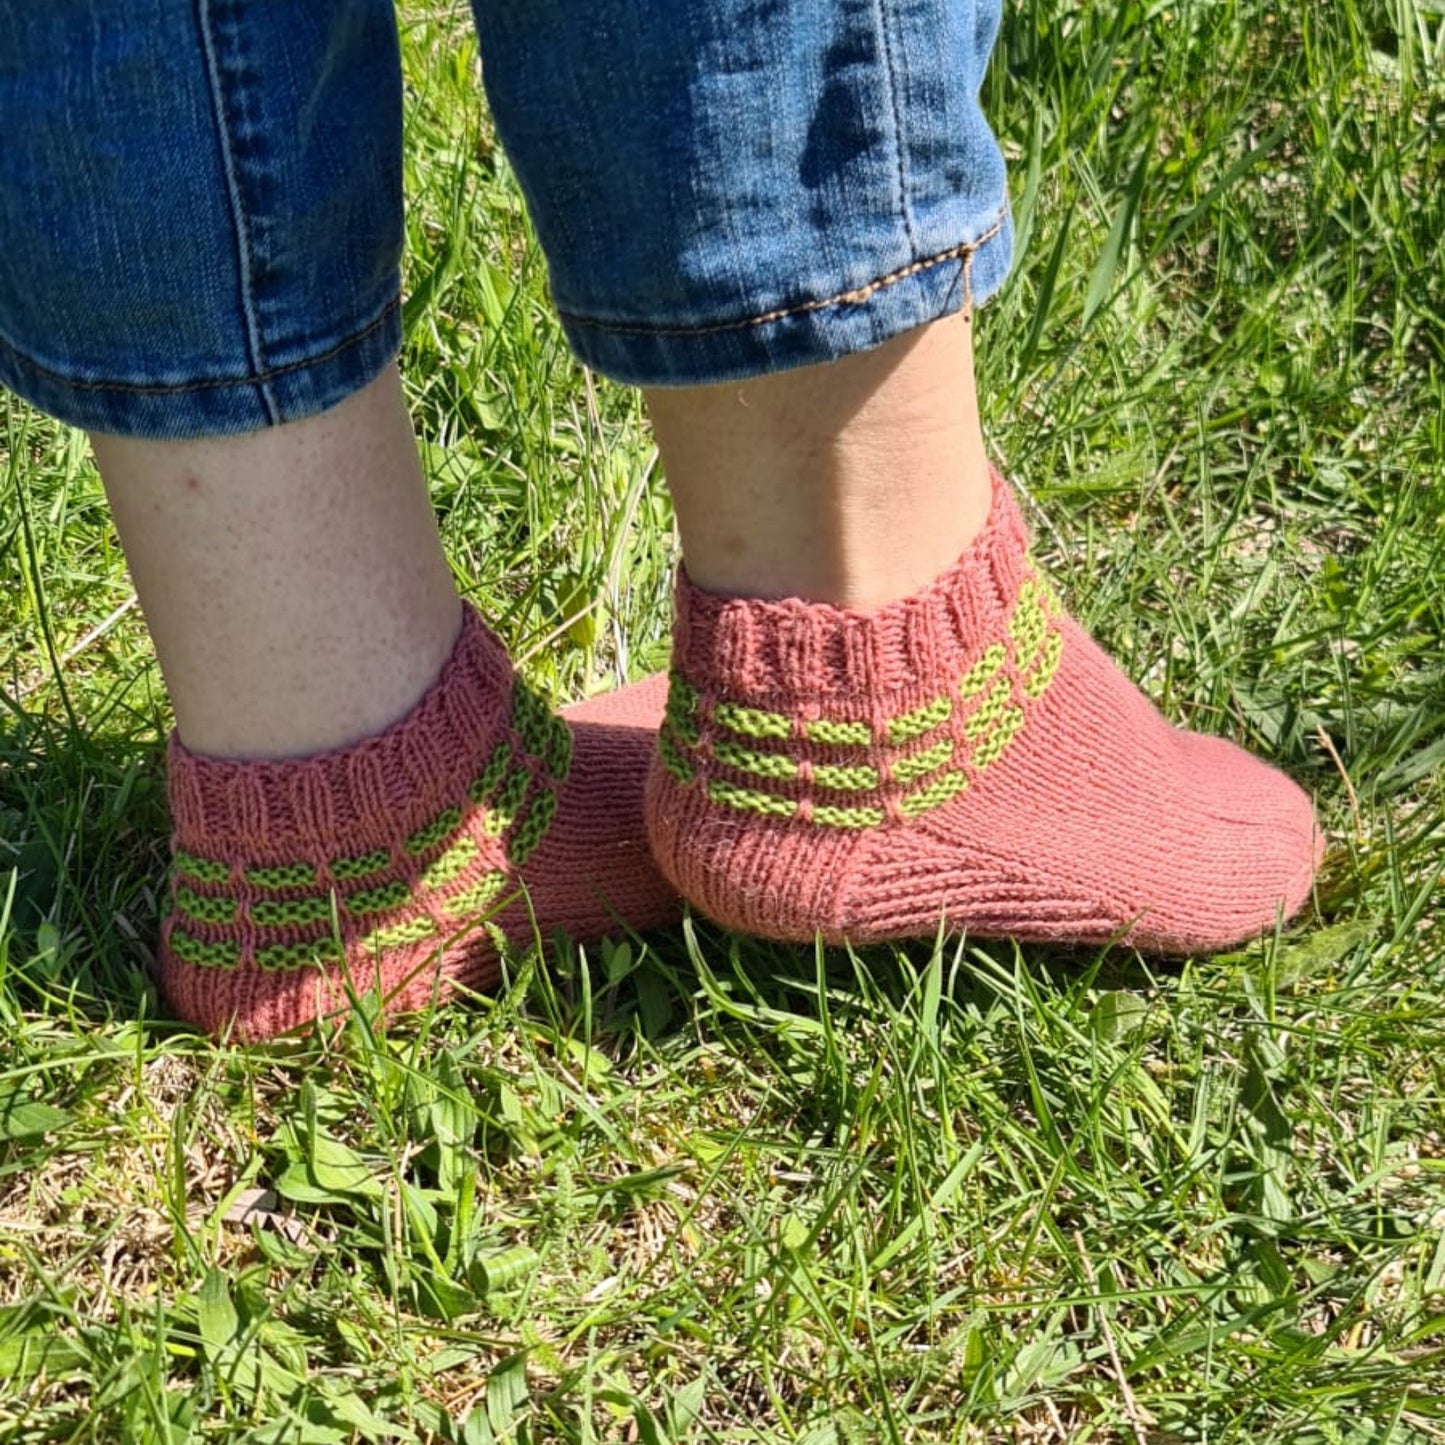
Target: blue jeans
(200, 200)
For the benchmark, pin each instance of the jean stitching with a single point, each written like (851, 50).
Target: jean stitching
(205, 383)
(890, 68)
(257, 356)
(961, 252)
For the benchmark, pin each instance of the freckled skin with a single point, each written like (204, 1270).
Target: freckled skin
(293, 578)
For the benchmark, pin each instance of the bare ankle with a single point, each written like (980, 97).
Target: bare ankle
(293, 579)
(854, 483)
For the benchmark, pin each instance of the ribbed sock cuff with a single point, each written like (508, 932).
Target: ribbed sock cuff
(793, 654)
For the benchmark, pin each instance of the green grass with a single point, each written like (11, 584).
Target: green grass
(700, 1188)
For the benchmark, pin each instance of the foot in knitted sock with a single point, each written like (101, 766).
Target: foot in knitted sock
(480, 809)
(968, 756)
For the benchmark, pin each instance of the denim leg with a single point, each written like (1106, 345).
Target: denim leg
(725, 188)
(200, 208)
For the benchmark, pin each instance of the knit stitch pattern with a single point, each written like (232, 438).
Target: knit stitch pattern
(397, 866)
(967, 757)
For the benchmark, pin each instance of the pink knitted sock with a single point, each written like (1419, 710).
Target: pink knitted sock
(968, 756)
(479, 809)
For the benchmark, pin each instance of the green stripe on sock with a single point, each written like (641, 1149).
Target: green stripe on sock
(749, 760)
(856, 778)
(204, 870)
(847, 817)
(978, 677)
(285, 957)
(345, 869)
(992, 747)
(463, 852)
(513, 790)
(1029, 622)
(532, 827)
(1037, 682)
(557, 751)
(202, 909)
(284, 912)
(934, 794)
(834, 732)
(283, 875)
(672, 758)
(921, 720)
(199, 953)
(397, 935)
(378, 900)
(446, 822)
(503, 812)
(915, 765)
(748, 799)
(477, 898)
(681, 708)
(991, 709)
(545, 736)
(752, 722)
(491, 775)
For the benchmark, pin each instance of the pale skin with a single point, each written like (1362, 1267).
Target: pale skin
(293, 579)
(294, 582)
(855, 482)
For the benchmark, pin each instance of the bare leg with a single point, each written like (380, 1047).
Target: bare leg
(854, 483)
(293, 579)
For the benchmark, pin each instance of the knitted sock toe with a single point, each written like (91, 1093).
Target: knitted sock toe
(389, 865)
(968, 756)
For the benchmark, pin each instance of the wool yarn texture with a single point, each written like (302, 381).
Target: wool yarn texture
(966, 758)
(400, 867)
